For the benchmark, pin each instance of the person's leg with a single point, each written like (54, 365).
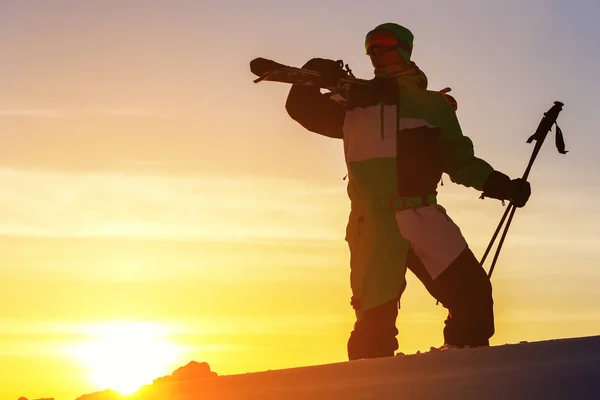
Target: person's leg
(377, 254)
(452, 274)
(465, 289)
(374, 333)
(415, 265)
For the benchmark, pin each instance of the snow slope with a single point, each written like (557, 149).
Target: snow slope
(555, 369)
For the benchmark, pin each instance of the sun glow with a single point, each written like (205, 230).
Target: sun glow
(127, 355)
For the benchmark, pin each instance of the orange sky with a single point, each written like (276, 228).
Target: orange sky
(148, 183)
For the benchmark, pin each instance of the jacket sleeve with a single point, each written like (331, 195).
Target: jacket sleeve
(315, 112)
(459, 158)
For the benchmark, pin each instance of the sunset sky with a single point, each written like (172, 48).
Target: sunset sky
(158, 205)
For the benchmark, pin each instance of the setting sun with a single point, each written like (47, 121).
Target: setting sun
(126, 355)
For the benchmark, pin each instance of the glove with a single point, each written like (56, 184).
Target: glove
(520, 192)
(331, 70)
(501, 187)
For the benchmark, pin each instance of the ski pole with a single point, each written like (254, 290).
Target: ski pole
(539, 136)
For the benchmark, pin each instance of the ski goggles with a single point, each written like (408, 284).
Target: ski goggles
(379, 41)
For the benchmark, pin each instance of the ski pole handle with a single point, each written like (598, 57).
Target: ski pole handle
(541, 132)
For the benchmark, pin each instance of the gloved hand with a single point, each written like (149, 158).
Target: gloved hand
(501, 187)
(331, 70)
(520, 190)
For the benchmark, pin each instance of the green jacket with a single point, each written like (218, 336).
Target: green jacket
(398, 137)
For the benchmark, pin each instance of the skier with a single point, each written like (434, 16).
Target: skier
(398, 139)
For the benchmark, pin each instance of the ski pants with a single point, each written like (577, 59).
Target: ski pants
(383, 244)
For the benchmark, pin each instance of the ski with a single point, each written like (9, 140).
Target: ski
(272, 71)
(269, 70)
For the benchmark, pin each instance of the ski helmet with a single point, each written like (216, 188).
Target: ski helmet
(404, 38)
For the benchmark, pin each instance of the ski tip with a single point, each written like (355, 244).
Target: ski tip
(261, 66)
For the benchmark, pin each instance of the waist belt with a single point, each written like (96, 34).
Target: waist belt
(403, 203)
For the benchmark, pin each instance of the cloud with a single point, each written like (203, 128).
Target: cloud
(136, 112)
(161, 206)
(67, 112)
(188, 207)
(34, 113)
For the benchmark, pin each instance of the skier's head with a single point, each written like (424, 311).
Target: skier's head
(389, 44)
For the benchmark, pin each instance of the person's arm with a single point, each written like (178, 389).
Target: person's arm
(315, 112)
(465, 169)
(460, 162)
